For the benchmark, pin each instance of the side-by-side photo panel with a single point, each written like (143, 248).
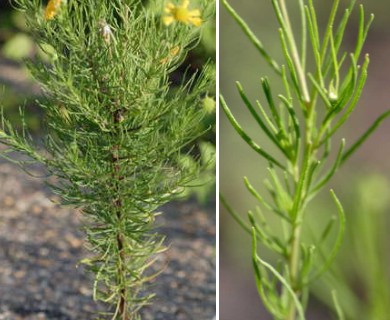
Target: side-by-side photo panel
(108, 159)
(304, 170)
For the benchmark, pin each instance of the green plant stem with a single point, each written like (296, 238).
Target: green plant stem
(293, 267)
(295, 53)
(123, 292)
(306, 147)
(297, 211)
(120, 238)
(122, 276)
(294, 255)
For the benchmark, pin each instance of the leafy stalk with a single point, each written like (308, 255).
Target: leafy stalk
(305, 144)
(118, 129)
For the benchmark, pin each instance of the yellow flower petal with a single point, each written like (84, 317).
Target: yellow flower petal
(195, 12)
(169, 7)
(174, 51)
(168, 20)
(185, 4)
(197, 22)
(51, 9)
(164, 60)
(182, 14)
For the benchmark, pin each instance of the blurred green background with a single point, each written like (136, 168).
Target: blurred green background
(361, 273)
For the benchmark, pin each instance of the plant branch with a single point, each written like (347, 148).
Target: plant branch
(294, 52)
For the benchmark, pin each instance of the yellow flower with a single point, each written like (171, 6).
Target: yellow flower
(52, 9)
(172, 53)
(182, 14)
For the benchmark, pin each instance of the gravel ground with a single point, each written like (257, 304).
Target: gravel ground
(41, 244)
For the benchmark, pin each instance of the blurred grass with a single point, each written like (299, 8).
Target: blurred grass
(240, 61)
(361, 274)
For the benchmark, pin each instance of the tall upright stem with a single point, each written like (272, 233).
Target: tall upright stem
(297, 213)
(293, 267)
(122, 303)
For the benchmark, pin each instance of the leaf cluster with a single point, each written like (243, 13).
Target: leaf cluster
(115, 129)
(300, 123)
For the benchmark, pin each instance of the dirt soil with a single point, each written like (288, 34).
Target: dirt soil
(41, 245)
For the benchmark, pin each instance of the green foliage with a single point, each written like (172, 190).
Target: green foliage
(116, 130)
(362, 286)
(18, 47)
(300, 123)
(204, 186)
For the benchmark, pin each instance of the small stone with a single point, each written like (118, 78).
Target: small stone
(19, 274)
(36, 209)
(44, 251)
(73, 241)
(9, 201)
(41, 316)
(85, 291)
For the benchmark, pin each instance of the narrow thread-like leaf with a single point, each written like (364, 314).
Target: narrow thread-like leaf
(257, 260)
(339, 239)
(365, 136)
(332, 170)
(251, 36)
(245, 137)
